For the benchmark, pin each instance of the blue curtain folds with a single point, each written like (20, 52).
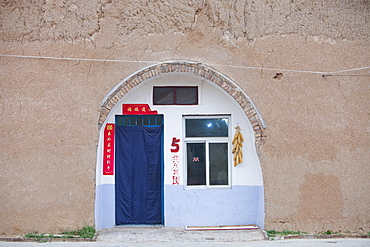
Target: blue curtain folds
(138, 175)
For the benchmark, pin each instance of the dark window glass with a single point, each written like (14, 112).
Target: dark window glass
(175, 95)
(163, 96)
(133, 120)
(187, 96)
(196, 163)
(218, 165)
(207, 127)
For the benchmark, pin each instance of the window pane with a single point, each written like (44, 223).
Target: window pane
(163, 95)
(218, 159)
(196, 161)
(209, 127)
(187, 96)
(175, 95)
(132, 120)
(146, 121)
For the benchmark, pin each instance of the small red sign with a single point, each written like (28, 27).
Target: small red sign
(108, 158)
(137, 109)
(175, 169)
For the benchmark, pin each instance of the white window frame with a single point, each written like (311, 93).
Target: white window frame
(207, 141)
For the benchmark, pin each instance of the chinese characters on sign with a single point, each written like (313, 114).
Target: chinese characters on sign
(137, 109)
(175, 170)
(108, 158)
(175, 161)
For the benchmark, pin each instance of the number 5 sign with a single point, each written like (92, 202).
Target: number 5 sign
(175, 146)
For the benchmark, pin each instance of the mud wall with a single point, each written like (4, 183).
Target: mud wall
(315, 156)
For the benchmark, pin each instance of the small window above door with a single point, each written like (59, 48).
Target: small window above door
(175, 95)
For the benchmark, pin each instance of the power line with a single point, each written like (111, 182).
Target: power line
(344, 75)
(325, 73)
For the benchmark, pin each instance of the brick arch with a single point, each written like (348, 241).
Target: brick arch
(198, 69)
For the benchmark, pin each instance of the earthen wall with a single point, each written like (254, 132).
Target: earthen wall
(60, 59)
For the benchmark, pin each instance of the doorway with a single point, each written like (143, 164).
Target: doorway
(183, 207)
(139, 169)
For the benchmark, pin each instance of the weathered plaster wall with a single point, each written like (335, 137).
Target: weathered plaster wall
(71, 20)
(315, 157)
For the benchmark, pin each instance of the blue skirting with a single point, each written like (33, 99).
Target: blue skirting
(239, 205)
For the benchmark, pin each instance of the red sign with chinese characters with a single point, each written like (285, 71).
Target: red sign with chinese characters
(108, 158)
(175, 161)
(175, 169)
(137, 109)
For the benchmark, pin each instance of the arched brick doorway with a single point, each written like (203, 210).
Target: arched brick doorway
(250, 190)
(198, 69)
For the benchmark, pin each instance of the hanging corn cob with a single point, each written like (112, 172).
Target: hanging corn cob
(238, 144)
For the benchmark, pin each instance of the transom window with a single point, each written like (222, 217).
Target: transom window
(207, 151)
(134, 120)
(175, 95)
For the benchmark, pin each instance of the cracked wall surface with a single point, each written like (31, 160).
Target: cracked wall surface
(49, 20)
(315, 153)
(71, 20)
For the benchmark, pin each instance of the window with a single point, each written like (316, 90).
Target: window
(175, 95)
(134, 120)
(207, 151)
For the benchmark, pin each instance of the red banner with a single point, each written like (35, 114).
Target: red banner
(108, 158)
(137, 109)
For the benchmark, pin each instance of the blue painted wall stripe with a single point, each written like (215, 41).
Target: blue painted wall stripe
(105, 206)
(239, 205)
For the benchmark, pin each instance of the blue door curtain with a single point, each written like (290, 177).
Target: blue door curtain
(138, 175)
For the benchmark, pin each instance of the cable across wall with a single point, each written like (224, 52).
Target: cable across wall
(323, 73)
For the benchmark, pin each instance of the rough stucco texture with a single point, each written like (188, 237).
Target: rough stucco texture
(52, 20)
(315, 159)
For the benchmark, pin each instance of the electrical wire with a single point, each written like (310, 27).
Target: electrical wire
(344, 75)
(324, 73)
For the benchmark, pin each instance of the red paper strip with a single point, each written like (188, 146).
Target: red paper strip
(108, 158)
(137, 109)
